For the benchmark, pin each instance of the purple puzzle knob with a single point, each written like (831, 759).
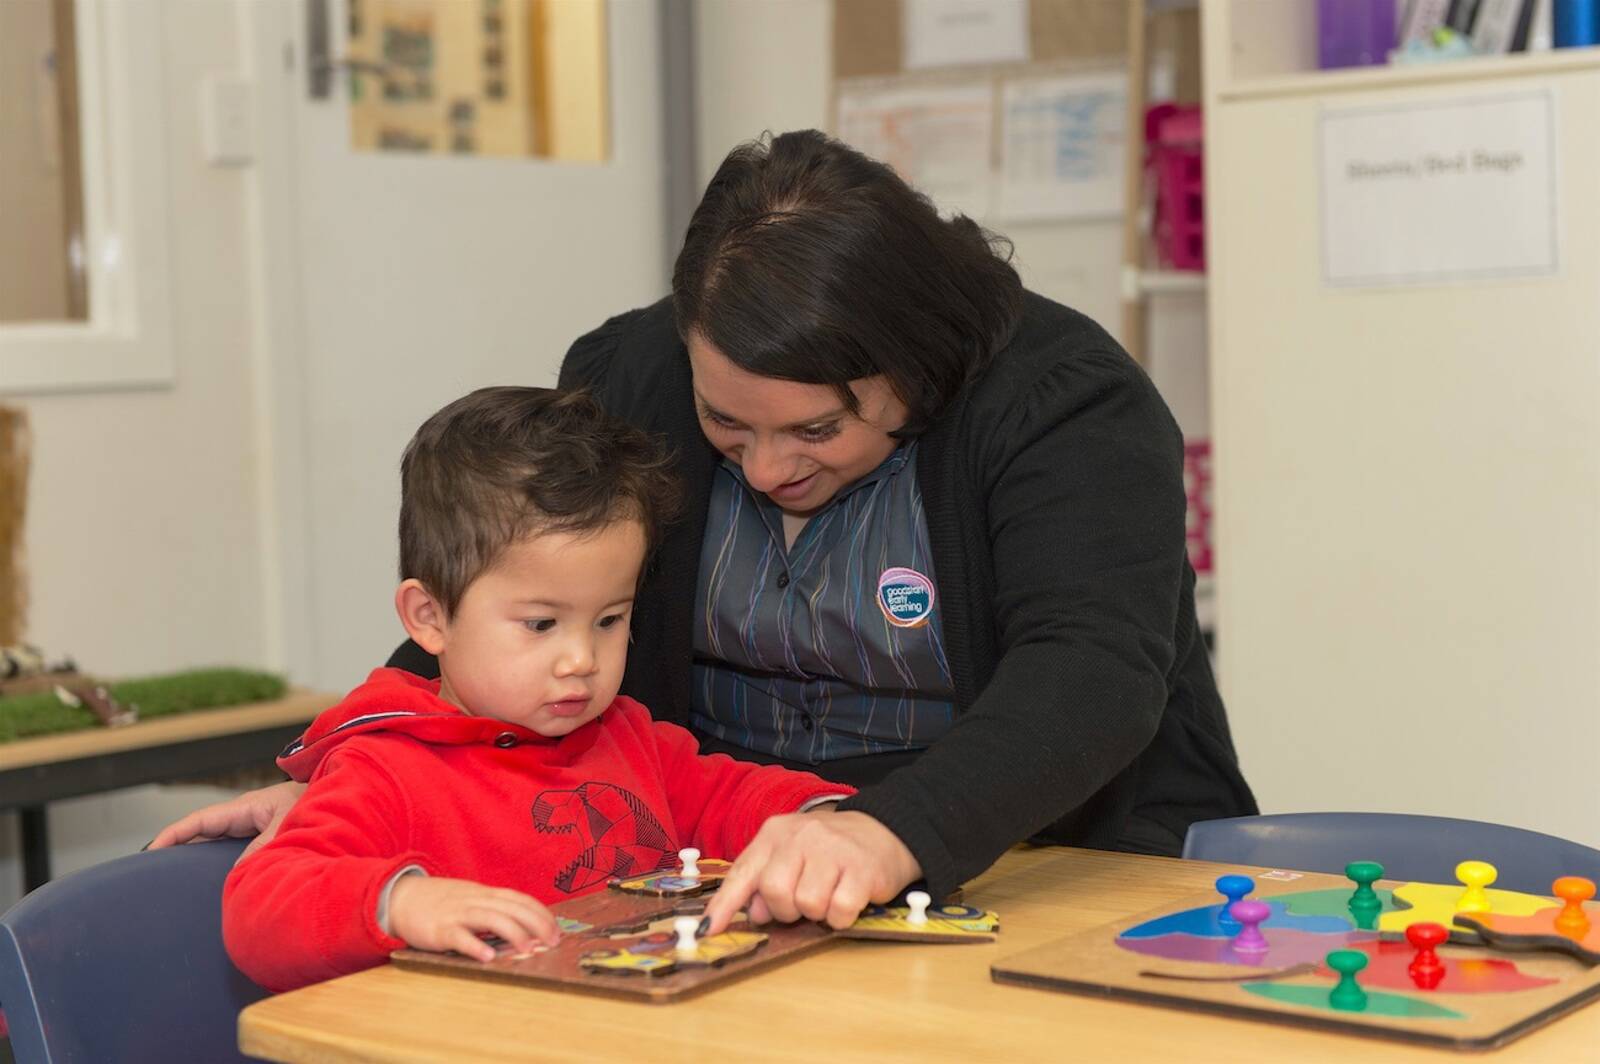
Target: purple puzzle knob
(1250, 915)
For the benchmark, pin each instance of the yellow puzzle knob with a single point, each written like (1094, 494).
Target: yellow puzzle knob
(1477, 875)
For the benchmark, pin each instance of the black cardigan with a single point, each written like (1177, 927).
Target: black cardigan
(1054, 496)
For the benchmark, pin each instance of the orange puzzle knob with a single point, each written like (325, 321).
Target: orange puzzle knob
(1574, 890)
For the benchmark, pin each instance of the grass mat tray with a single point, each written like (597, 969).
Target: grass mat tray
(31, 715)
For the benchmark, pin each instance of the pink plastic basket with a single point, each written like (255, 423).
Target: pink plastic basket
(1174, 140)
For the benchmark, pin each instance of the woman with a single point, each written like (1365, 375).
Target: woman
(935, 543)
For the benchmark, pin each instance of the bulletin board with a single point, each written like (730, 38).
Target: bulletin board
(1037, 134)
(479, 77)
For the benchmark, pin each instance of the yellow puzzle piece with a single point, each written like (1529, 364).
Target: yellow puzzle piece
(953, 921)
(1436, 903)
(657, 955)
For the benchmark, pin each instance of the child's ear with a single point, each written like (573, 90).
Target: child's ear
(422, 615)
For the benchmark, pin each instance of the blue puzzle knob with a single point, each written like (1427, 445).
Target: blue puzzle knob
(1234, 888)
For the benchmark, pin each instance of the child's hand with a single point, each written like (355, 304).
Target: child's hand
(441, 914)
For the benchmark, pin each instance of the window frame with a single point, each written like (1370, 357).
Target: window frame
(127, 339)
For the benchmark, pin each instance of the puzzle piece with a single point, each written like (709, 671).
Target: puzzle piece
(1206, 921)
(1391, 968)
(1574, 928)
(1333, 903)
(1436, 903)
(657, 954)
(659, 924)
(1286, 946)
(1378, 1003)
(656, 920)
(944, 923)
(672, 883)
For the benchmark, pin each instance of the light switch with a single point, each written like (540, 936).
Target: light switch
(227, 121)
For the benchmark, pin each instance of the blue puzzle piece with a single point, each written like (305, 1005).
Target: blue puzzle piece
(1205, 923)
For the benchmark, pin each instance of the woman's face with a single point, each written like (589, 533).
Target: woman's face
(795, 442)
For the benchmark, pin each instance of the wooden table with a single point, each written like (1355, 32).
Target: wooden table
(35, 772)
(854, 1001)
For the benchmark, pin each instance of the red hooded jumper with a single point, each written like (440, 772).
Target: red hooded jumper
(400, 777)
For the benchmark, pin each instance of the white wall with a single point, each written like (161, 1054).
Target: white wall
(143, 530)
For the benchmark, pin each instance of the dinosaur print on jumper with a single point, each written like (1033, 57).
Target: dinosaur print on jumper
(621, 837)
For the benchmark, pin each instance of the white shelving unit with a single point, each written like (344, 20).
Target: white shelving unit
(1407, 478)
(1167, 282)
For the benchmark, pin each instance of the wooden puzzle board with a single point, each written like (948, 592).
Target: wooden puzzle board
(559, 968)
(1092, 962)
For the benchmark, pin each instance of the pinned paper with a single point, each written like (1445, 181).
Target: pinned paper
(1062, 141)
(936, 137)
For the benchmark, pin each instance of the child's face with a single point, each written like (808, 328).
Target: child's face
(541, 638)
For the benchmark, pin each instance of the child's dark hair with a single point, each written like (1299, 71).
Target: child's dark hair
(503, 463)
(808, 261)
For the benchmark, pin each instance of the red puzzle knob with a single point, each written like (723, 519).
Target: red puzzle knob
(1426, 935)
(1426, 969)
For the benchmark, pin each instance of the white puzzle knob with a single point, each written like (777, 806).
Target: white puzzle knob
(689, 856)
(685, 927)
(919, 901)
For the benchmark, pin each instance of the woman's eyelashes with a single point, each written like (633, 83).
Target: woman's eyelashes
(721, 421)
(820, 433)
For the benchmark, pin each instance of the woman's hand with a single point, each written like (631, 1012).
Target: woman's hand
(821, 865)
(257, 813)
(441, 914)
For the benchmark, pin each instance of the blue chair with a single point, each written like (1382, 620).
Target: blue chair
(124, 962)
(1423, 849)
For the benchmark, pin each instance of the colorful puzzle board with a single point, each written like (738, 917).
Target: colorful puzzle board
(1179, 956)
(621, 942)
(613, 920)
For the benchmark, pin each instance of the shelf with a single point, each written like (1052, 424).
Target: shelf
(1205, 602)
(1358, 79)
(1162, 282)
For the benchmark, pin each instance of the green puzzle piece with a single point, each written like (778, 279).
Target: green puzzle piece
(1378, 1003)
(1335, 902)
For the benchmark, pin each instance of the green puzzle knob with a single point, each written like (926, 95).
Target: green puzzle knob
(1347, 995)
(1365, 902)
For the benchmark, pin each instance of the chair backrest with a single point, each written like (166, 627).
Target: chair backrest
(124, 961)
(1424, 849)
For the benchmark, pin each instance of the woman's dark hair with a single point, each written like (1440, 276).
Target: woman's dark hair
(505, 463)
(808, 261)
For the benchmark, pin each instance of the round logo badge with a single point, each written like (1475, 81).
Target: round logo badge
(906, 597)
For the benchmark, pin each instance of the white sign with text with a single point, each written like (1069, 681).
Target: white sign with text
(960, 32)
(1448, 191)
